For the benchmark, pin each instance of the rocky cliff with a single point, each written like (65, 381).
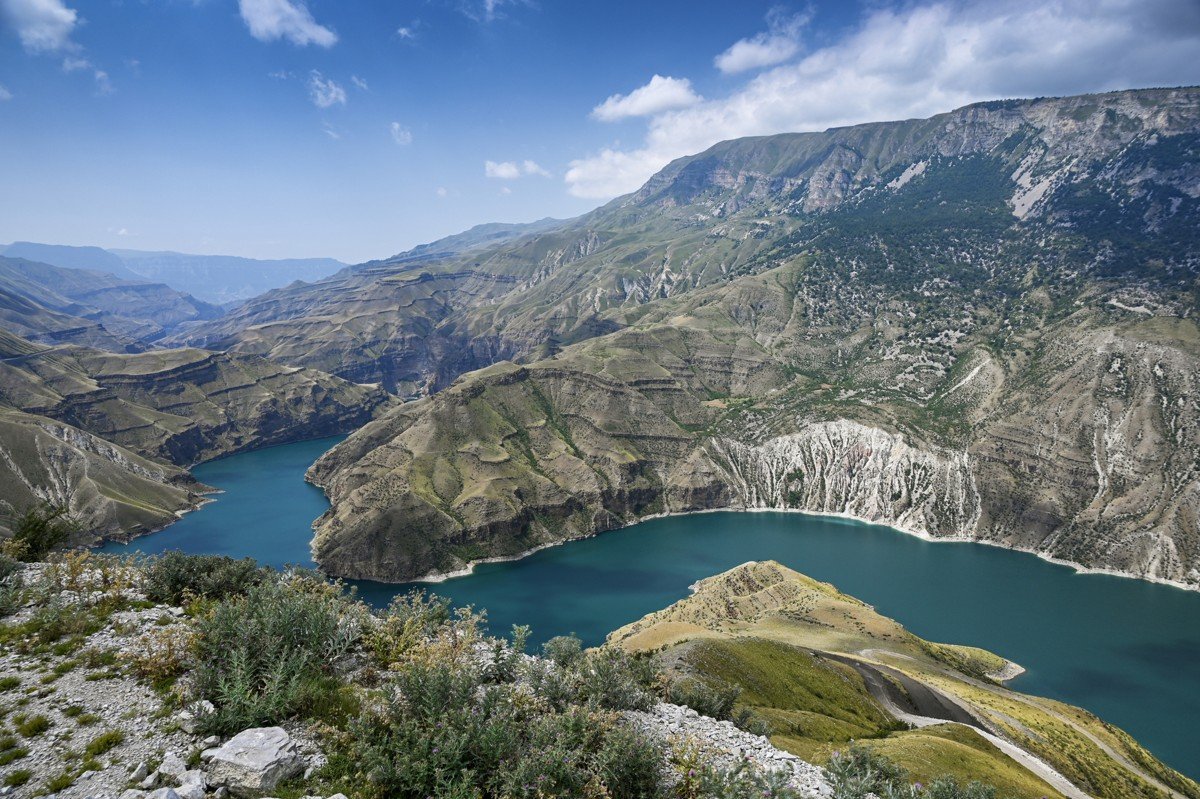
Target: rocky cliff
(883, 321)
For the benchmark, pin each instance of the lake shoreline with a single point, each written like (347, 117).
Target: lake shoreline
(435, 577)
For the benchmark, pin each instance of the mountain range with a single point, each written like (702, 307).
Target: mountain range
(974, 326)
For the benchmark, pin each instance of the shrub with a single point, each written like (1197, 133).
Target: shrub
(160, 656)
(18, 777)
(40, 528)
(271, 654)
(9, 567)
(9, 683)
(700, 779)
(423, 625)
(714, 701)
(104, 742)
(10, 755)
(613, 679)
(445, 731)
(565, 651)
(177, 578)
(856, 772)
(33, 727)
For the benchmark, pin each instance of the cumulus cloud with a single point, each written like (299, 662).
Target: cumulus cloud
(660, 94)
(43, 26)
(269, 20)
(325, 92)
(401, 135)
(511, 170)
(5, 94)
(780, 42)
(921, 60)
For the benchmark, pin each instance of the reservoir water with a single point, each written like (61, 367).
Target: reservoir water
(1125, 649)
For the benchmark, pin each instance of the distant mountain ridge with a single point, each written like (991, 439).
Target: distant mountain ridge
(72, 305)
(216, 279)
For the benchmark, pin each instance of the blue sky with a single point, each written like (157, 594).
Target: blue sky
(355, 129)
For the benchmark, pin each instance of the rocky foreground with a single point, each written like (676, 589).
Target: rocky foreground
(101, 698)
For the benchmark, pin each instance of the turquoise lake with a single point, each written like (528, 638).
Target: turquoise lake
(1124, 649)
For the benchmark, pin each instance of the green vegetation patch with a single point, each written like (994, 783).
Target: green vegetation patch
(810, 702)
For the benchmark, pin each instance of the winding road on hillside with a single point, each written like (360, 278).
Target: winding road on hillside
(1034, 764)
(922, 706)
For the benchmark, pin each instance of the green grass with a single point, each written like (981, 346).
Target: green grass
(811, 703)
(11, 755)
(9, 683)
(959, 752)
(33, 727)
(61, 781)
(104, 742)
(17, 778)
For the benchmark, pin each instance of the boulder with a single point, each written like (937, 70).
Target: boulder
(253, 762)
(163, 793)
(172, 766)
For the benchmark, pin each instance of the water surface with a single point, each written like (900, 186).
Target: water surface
(1125, 649)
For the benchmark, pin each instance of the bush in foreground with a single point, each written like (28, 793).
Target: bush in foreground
(176, 578)
(856, 772)
(274, 653)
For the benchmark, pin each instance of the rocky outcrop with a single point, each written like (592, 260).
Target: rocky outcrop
(721, 742)
(848, 468)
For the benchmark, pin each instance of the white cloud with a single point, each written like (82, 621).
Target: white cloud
(505, 170)
(407, 32)
(43, 26)
(325, 92)
(660, 94)
(5, 94)
(487, 10)
(532, 168)
(331, 132)
(919, 61)
(401, 135)
(511, 170)
(75, 64)
(505, 191)
(269, 20)
(780, 42)
(360, 83)
(441, 192)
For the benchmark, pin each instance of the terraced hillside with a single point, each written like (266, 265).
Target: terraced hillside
(976, 326)
(108, 433)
